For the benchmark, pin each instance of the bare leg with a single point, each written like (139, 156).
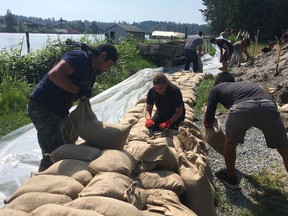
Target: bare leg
(230, 156)
(283, 151)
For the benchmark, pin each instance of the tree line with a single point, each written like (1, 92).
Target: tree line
(16, 23)
(269, 16)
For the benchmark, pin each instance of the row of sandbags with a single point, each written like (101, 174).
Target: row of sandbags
(124, 169)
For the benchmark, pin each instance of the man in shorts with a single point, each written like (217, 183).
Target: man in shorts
(249, 106)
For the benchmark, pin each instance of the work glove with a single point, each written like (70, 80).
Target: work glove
(149, 123)
(165, 125)
(84, 94)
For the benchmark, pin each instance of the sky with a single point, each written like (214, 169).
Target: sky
(179, 11)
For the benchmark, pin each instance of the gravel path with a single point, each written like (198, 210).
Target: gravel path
(252, 156)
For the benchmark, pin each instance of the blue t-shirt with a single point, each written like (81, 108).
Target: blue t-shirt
(58, 100)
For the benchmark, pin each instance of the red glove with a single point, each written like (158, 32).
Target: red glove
(149, 123)
(165, 125)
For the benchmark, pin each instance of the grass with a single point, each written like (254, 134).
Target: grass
(12, 121)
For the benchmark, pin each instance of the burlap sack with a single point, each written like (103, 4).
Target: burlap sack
(118, 186)
(29, 201)
(189, 140)
(169, 161)
(59, 210)
(142, 151)
(76, 169)
(161, 179)
(139, 133)
(12, 212)
(215, 137)
(165, 140)
(196, 173)
(72, 151)
(51, 184)
(113, 161)
(162, 194)
(100, 134)
(149, 213)
(105, 205)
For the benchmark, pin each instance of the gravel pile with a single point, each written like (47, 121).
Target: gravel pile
(252, 156)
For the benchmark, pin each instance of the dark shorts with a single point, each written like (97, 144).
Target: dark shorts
(158, 119)
(261, 114)
(49, 128)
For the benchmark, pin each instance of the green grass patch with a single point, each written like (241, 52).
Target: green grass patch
(12, 121)
(202, 91)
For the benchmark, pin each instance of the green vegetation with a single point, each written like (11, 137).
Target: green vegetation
(266, 15)
(19, 75)
(202, 91)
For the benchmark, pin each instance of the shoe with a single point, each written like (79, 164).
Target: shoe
(230, 182)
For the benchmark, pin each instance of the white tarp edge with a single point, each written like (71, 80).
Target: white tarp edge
(19, 151)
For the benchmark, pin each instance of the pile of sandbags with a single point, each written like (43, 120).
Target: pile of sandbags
(123, 169)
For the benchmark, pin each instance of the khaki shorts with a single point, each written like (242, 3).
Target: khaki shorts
(262, 114)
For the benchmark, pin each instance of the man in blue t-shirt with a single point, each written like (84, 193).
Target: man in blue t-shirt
(70, 79)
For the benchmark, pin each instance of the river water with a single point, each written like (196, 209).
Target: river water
(10, 41)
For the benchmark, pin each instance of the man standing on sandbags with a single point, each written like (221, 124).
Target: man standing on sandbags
(168, 100)
(249, 106)
(193, 43)
(70, 79)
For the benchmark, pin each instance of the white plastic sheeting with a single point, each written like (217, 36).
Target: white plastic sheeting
(19, 151)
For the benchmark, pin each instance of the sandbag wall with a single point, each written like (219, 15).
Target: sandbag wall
(123, 169)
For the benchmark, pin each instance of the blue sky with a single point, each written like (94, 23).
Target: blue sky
(183, 11)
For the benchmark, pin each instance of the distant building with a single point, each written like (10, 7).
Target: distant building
(167, 35)
(115, 32)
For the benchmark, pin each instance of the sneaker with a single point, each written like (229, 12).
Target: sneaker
(230, 182)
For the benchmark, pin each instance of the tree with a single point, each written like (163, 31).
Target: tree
(10, 21)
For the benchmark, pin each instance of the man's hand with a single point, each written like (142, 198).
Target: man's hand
(149, 123)
(84, 94)
(165, 125)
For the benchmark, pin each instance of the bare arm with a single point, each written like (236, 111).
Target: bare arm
(59, 76)
(177, 114)
(148, 111)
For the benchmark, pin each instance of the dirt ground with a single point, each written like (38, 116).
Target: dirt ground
(263, 72)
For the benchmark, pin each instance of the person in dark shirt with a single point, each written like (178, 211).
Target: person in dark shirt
(70, 79)
(228, 48)
(268, 48)
(168, 100)
(249, 106)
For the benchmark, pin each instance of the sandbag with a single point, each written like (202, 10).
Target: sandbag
(161, 179)
(215, 137)
(103, 135)
(118, 186)
(72, 151)
(59, 210)
(105, 205)
(156, 194)
(76, 169)
(139, 133)
(142, 151)
(200, 193)
(113, 161)
(149, 213)
(29, 201)
(12, 212)
(51, 184)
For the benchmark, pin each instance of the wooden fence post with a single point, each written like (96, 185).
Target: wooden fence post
(28, 42)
